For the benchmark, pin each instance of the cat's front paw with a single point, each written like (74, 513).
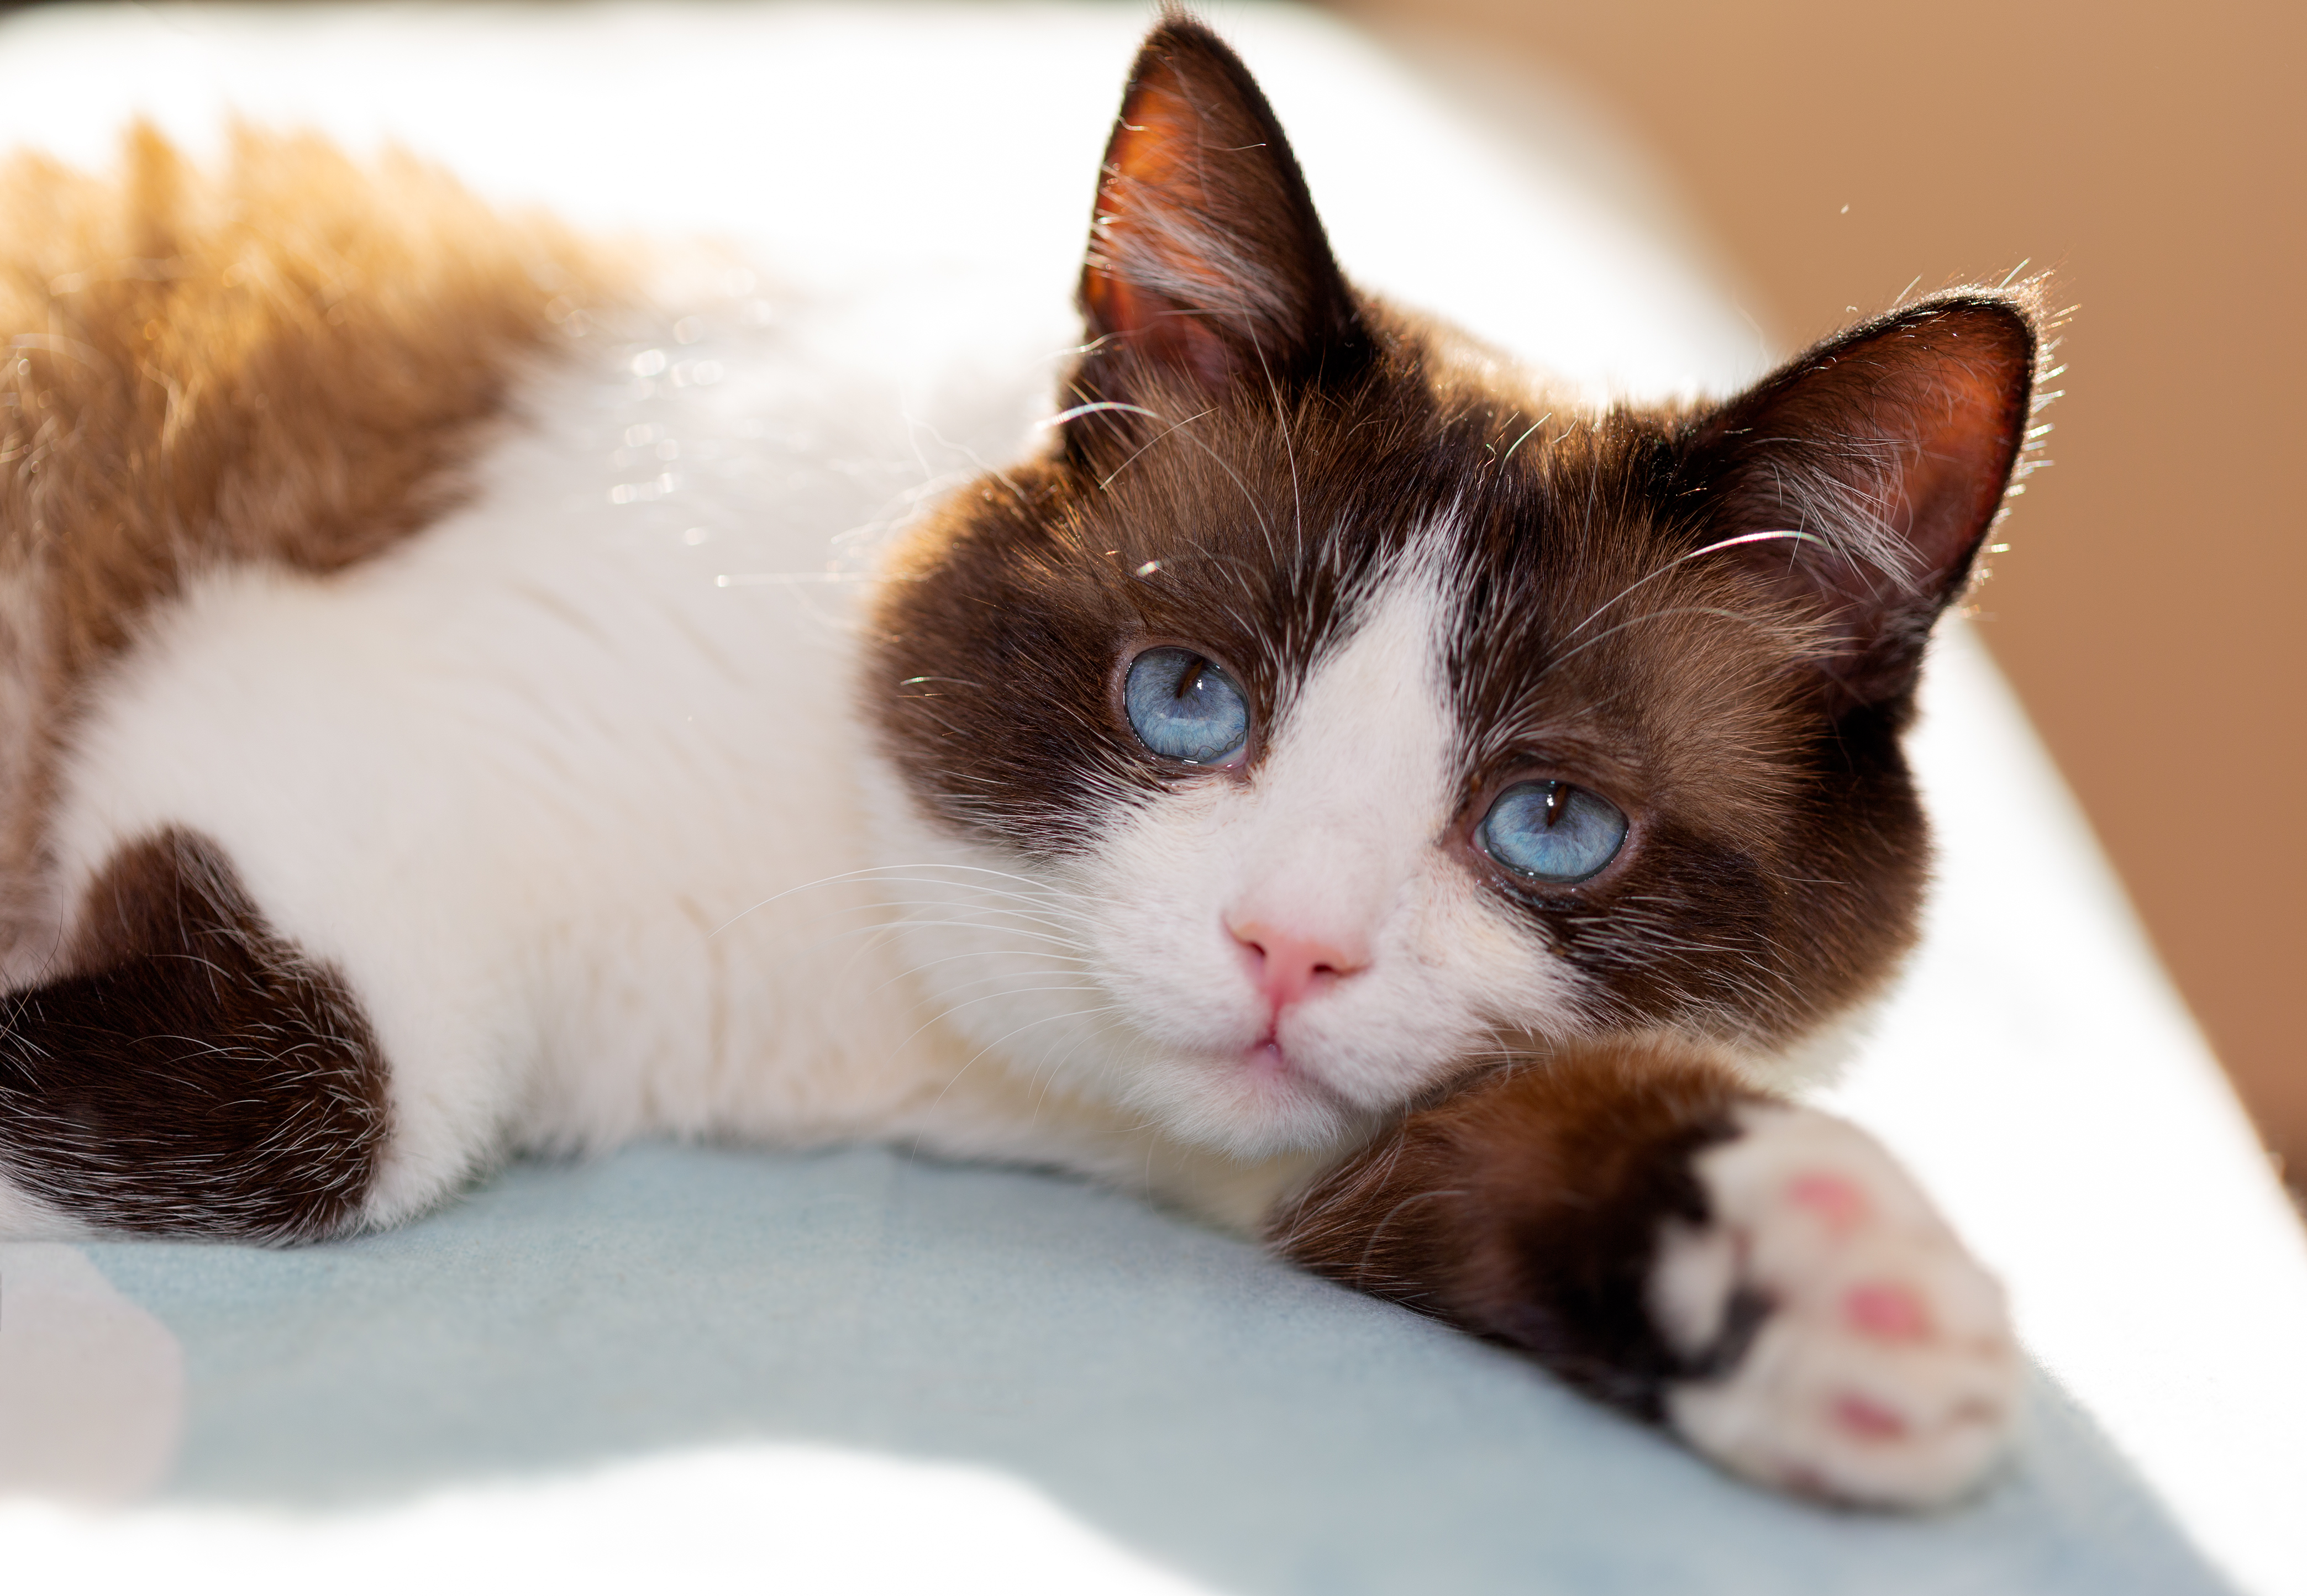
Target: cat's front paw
(1851, 1347)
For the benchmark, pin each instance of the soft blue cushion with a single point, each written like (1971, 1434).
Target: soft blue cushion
(1255, 1429)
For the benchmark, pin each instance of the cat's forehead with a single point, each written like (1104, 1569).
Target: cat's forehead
(1289, 519)
(1551, 585)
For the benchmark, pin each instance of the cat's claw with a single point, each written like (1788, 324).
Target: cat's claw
(1853, 1348)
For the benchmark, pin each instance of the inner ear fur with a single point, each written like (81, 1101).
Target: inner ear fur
(1888, 449)
(1206, 260)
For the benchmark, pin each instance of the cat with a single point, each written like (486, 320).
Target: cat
(1335, 782)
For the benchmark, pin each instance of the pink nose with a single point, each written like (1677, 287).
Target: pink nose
(1287, 967)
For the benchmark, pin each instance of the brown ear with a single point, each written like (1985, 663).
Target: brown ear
(1205, 258)
(1886, 450)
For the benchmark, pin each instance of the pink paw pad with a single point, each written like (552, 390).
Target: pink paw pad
(1886, 1312)
(1867, 1420)
(1836, 1200)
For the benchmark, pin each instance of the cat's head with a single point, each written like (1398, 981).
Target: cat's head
(1327, 713)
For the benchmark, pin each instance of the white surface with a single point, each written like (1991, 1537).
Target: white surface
(2037, 1070)
(804, 1519)
(2040, 1075)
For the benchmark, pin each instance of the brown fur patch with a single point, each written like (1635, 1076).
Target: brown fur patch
(1527, 1208)
(193, 1075)
(285, 361)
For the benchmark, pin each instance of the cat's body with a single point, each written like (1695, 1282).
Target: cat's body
(512, 819)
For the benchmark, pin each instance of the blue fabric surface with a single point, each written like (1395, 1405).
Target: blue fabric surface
(1258, 1430)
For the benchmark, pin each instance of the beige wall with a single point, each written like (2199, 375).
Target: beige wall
(2148, 610)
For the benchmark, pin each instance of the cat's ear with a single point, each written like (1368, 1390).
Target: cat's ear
(1206, 260)
(1887, 450)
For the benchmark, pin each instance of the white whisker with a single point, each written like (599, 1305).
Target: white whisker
(1020, 1030)
(1748, 537)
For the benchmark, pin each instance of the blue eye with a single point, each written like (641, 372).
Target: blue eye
(1552, 830)
(1183, 706)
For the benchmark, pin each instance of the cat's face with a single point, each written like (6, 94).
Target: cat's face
(1326, 717)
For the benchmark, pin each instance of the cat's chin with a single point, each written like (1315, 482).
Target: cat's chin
(1254, 1102)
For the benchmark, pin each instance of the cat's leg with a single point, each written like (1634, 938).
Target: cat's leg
(1763, 1278)
(188, 1072)
(284, 855)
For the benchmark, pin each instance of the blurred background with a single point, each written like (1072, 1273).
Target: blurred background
(2149, 608)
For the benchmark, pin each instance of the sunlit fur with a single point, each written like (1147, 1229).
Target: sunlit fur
(282, 362)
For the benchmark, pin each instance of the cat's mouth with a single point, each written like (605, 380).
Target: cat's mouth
(1274, 1077)
(1266, 1060)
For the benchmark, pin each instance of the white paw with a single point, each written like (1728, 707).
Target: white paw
(1885, 1373)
